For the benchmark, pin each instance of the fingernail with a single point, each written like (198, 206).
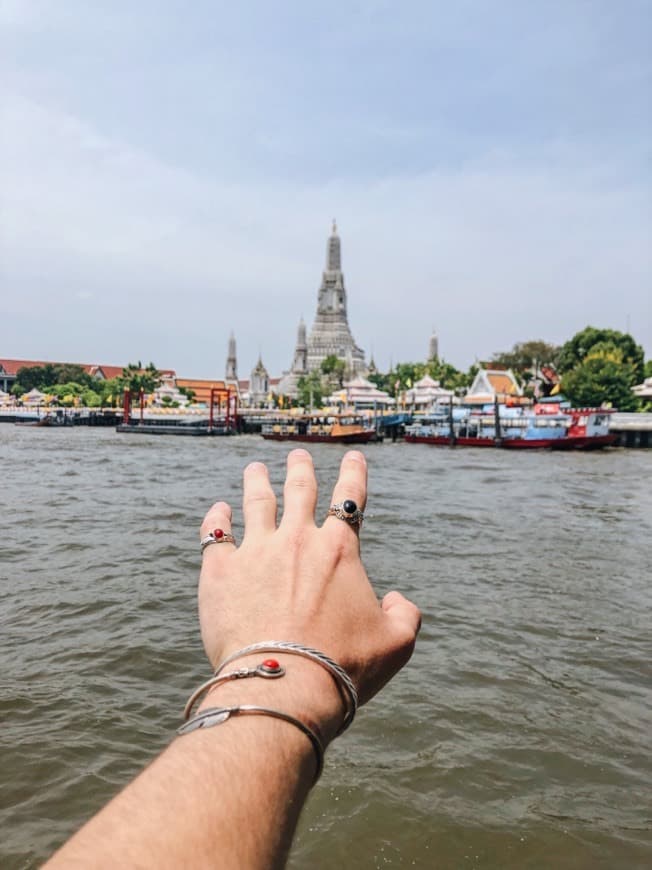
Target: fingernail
(356, 456)
(255, 466)
(298, 453)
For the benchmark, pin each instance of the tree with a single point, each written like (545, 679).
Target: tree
(335, 368)
(648, 369)
(136, 378)
(579, 346)
(71, 373)
(449, 377)
(602, 378)
(188, 393)
(310, 390)
(111, 391)
(72, 389)
(39, 377)
(91, 399)
(526, 354)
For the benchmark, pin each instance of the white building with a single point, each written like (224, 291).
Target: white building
(427, 392)
(360, 393)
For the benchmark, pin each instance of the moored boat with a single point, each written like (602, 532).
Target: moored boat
(546, 426)
(33, 420)
(321, 429)
(550, 428)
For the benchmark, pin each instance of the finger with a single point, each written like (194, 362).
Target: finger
(402, 612)
(258, 500)
(351, 484)
(218, 522)
(300, 491)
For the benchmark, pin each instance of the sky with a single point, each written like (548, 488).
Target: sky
(169, 172)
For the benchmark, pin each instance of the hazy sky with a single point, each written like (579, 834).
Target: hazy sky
(169, 171)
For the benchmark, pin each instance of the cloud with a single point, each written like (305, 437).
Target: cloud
(171, 236)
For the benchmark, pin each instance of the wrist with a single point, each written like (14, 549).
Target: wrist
(305, 691)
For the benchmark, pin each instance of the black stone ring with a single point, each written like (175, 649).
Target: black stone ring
(347, 511)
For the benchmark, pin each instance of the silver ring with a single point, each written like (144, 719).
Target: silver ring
(348, 511)
(217, 536)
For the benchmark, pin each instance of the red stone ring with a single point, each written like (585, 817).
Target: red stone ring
(217, 536)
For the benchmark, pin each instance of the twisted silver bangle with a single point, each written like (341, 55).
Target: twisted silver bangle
(218, 715)
(342, 680)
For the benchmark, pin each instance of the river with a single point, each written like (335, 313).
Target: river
(517, 737)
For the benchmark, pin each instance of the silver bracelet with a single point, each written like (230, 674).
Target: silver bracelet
(269, 669)
(218, 715)
(342, 680)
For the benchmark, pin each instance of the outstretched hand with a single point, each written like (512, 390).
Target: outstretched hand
(302, 583)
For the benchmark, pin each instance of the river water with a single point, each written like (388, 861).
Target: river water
(517, 737)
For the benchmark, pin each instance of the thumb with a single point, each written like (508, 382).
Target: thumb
(402, 612)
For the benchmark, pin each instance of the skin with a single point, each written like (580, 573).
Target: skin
(230, 796)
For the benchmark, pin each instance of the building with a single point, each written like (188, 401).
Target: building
(289, 382)
(359, 393)
(433, 347)
(427, 392)
(202, 388)
(231, 361)
(9, 369)
(491, 384)
(330, 334)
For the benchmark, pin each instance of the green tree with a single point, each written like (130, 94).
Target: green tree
(110, 390)
(39, 377)
(334, 368)
(136, 378)
(602, 378)
(91, 399)
(70, 373)
(449, 377)
(310, 390)
(188, 393)
(524, 355)
(580, 345)
(648, 369)
(72, 389)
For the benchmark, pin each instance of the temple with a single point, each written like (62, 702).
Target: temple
(330, 334)
(288, 385)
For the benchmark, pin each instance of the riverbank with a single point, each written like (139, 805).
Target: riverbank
(632, 430)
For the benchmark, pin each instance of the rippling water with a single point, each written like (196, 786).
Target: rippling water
(518, 736)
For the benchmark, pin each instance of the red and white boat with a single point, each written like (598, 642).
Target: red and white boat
(546, 426)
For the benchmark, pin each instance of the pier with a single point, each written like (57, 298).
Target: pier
(634, 430)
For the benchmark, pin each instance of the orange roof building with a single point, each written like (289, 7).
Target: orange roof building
(9, 369)
(202, 388)
(491, 384)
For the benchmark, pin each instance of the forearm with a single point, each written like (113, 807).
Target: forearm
(226, 796)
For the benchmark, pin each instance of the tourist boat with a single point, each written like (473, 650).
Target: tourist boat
(546, 426)
(550, 427)
(321, 429)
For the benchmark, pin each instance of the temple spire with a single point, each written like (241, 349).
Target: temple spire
(433, 346)
(231, 361)
(333, 251)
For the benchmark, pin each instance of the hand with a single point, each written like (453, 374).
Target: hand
(302, 583)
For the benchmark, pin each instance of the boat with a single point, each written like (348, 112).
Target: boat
(571, 429)
(33, 419)
(546, 426)
(329, 429)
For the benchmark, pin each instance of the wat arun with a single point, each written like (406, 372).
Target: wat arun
(330, 334)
